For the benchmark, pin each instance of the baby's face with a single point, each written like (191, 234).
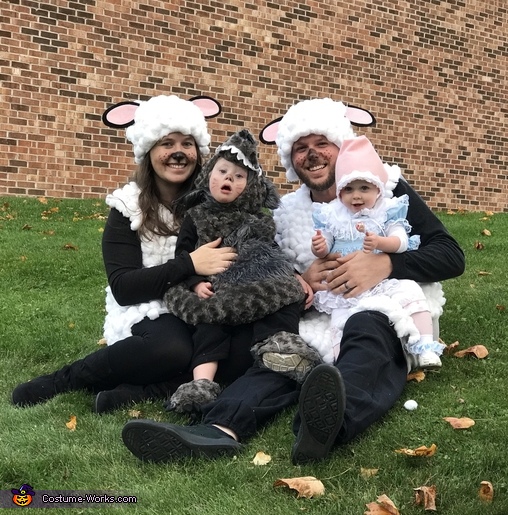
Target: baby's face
(227, 181)
(358, 195)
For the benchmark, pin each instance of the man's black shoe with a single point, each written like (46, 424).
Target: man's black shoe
(321, 408)
(159, 442)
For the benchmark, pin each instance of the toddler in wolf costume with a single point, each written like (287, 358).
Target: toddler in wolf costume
(233, 201)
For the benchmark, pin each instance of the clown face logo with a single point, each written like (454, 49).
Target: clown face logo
(22, 496)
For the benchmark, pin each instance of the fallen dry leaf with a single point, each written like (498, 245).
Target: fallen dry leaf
(261, 458)
(486, 492)
(480, 351)
(43, 200)
(489, 213)
(460, 423)
(451, 347)
(383, 506)
(418, 376)
(134, 413)
(102, 341)
(483, 273)
(306, 486)
(366, 473)
(426, 495)
(500, 307)
(478, 245)
(486, 232)
(73, 422)
(422, 451)
(70, 246)
(26, 227)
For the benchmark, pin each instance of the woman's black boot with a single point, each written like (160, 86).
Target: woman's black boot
(91, 373)
(125, 394)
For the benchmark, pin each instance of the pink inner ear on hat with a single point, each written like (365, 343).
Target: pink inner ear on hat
(122, 114)
(208, 106)
(357, 115)
(269, 133)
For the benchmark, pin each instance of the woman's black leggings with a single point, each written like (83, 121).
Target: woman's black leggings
(161, 349)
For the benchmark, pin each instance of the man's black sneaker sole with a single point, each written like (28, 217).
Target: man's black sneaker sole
(321, 408)
(158, 442)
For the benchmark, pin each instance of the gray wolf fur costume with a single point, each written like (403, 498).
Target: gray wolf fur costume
(262, 280)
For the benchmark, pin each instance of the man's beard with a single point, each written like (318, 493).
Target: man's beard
(317, 186)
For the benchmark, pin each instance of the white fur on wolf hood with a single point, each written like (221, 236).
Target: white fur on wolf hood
(294, 233)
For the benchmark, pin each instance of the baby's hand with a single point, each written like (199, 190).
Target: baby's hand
(360, 226)
(370, 242)
(319, 247)
(203, 290)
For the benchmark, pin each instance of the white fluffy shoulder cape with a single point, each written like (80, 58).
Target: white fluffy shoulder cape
(294, 233)
(156, 251)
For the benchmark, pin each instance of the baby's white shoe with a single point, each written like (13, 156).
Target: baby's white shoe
(428, 360)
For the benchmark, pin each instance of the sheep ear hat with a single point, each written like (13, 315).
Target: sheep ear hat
(315, 116)
(147, 122)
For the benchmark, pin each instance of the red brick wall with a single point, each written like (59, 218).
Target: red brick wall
(433, 73)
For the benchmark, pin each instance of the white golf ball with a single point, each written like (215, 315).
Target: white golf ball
(410, 405)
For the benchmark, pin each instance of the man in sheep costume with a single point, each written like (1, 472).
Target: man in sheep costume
(260, 283)
(294, 225)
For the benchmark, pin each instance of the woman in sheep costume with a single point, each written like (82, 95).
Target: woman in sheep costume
(344, 230)
(145, 343)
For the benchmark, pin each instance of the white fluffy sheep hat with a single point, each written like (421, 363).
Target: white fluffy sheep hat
(358, 160)
(148, 122)
(317, 116)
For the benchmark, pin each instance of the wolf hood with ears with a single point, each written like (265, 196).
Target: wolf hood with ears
(262, 279)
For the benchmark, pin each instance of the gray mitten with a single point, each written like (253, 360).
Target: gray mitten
(189, 397)
(287, 354)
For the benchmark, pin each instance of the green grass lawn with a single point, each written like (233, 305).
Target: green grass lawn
(52, 312)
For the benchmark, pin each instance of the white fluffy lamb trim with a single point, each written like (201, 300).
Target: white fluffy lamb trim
(156, 251)
(315, 330)
(317, 116)
(401, 321)
(125, 200)
(435, 298)
(394, 175)
(293, 219)
(162, 115)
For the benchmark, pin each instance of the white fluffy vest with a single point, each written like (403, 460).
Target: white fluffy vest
(156, 251)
